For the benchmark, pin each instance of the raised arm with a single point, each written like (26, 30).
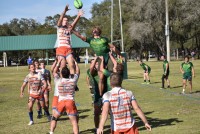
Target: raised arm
(55, 71)
(54, 65)
(80, 13)
(114, 49)
(92, 65)
(62, 15)
(77, 68)
(140, 114)
(113, 61)
(79, 35)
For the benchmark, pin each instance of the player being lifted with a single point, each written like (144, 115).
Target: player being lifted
(64, 49)
(101, 47)
(37, 86)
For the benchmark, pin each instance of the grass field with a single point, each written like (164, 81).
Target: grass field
(167, 110)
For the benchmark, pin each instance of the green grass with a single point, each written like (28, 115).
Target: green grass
(166, 110)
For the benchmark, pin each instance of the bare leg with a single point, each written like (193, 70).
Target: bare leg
(46, 99)
(74, 123)
(63, 62)
(101, 83)
(54, 121)
(184, 85)
(97, 113)
(70, 61)
(190, 83)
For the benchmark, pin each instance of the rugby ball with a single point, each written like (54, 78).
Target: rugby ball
(78, 4)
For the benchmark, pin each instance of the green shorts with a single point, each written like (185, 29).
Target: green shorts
(187, 76)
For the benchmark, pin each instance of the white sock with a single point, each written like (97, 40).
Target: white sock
(183, 90)
(50, 132)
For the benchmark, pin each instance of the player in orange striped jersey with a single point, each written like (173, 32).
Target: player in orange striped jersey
(37, 85)
(120, 102)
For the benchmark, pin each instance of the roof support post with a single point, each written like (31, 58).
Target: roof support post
(47, 57)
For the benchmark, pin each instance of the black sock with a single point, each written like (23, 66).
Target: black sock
(31, 116)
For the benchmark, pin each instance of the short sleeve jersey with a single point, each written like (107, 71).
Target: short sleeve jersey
(187, 67)
(143, 65)
(100, 46)
(35, 83)
(63, 37)
(120, 108)
(165, 62)
(65, 89)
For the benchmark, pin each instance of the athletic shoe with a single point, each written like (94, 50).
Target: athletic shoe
(168, 86)
(148, 83)
(162, 88)
(39, 116)
(183, 92)
(30, 123)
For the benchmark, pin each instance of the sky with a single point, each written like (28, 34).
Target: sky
(39, 9)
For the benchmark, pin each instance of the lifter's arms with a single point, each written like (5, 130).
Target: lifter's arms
(92, 65)
(113, 61)
(54, 65)
(22, 89)
(114, 49)
(62, 16)
(55, 70)
(140, 114)
(79, 35)
(77, 68)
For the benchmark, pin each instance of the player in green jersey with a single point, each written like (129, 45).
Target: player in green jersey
(165, 75)
(187, 69)
(101, 47)
(147, 71)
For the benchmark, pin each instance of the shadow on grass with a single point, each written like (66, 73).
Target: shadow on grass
(177, 87)
(155, 82)
(195, 92)
(84, 110)
(106, 130)
(134, 77)
(156, 122)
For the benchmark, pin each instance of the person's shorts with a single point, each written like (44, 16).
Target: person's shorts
(63, 51)
(187, 76)
(68, 106)
(166, 75)
(133, 130)
(33, 98)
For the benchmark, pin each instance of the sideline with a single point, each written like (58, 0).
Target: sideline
(188, 96)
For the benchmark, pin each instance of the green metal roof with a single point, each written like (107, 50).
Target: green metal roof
(35, 42)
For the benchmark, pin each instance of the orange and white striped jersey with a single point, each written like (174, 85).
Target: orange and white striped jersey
(35, 83)
(120, 108)
(65, 88)
(64, 37)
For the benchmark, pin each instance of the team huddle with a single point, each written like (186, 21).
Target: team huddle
(104, 78)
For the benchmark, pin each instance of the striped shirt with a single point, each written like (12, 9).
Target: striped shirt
(65, 88)
(120, 108)
(63, 37)
(35, 83)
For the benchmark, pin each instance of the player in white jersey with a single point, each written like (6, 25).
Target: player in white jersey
(65, 90)
(37, 85)
(120, 102)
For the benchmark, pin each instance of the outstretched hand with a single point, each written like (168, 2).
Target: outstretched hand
(67, 8)
(80, 13)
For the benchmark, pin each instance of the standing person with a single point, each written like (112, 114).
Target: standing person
(38, 70)
(101, 47)
(64, 47)
(65, 91)
(37, 85)
(92, 73)
(147, 71)
(120, 102)
(47, 76)
(165, 76)
(187, 69)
